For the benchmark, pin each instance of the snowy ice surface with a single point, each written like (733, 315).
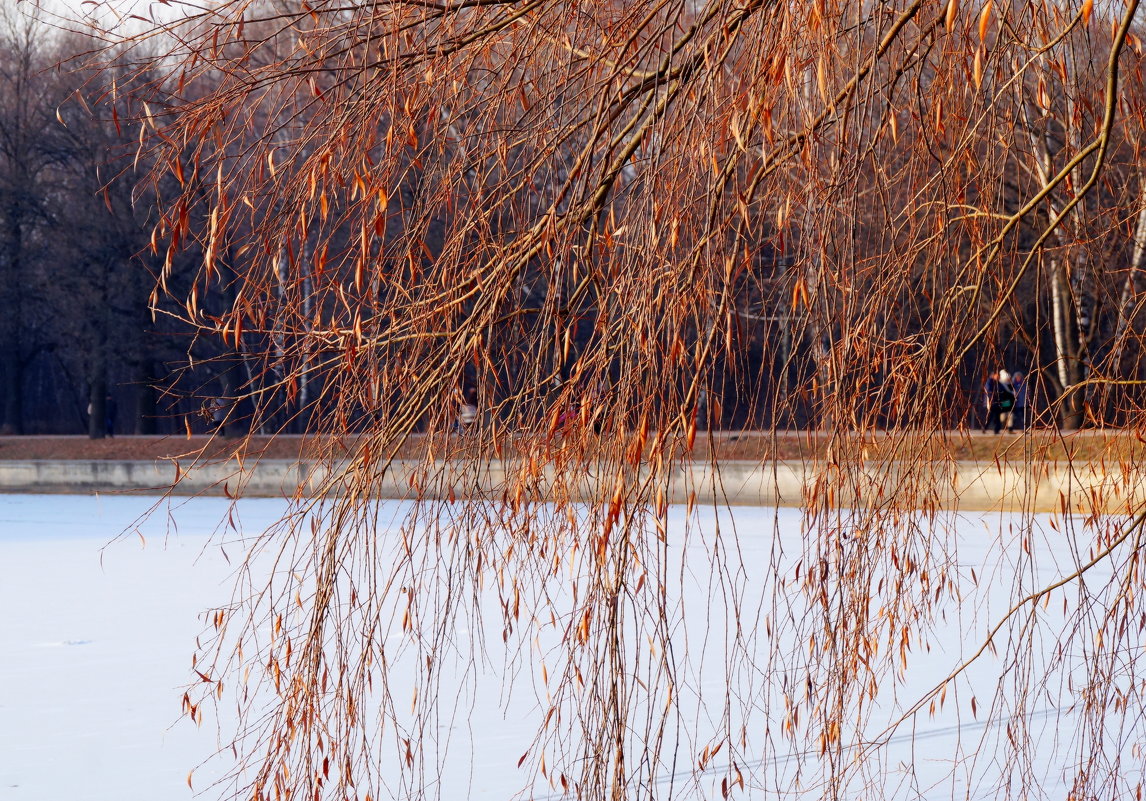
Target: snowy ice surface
(96, 633)
(95, 643)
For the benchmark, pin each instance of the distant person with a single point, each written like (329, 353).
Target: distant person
(1006, 398)
(218, 411)
(468, 413)
(991, 402)
(109, 413)
(1019, 412)
(998, 399)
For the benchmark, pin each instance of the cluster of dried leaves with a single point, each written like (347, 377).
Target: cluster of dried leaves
(600, 224)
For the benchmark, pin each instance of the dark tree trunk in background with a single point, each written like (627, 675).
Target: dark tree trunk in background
(232, 376)
(146, 397)
(228, 387)
(97, 405)
(144, 364)
(11, 315)
(98, 397)
(12, 371)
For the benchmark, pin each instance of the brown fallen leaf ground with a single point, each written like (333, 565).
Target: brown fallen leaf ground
(1113, 446)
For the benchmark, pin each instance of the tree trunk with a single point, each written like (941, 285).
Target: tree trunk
(97, 403)
(11, 367)
(1069, 340)
(100, 413)
(11, 320)
(1129, 289)
(1065, 349)
(146, 399)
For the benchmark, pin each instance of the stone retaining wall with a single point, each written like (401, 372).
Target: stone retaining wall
(972, 486)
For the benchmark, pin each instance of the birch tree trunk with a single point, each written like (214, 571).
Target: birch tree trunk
(1129, 288)
(1063, 275)
(1066, 346)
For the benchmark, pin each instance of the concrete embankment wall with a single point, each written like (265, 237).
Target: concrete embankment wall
(971, 486)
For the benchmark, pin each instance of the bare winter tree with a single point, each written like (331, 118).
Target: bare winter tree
(28, 150)
(75, 313)
(572, 219)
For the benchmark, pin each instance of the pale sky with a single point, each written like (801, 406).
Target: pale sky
(108, 10)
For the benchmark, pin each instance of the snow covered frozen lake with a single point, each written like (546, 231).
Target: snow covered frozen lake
(95, 644)
(96, 635)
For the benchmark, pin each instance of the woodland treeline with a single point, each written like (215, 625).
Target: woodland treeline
(84, 330)
(83, 246)
(75, 323)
